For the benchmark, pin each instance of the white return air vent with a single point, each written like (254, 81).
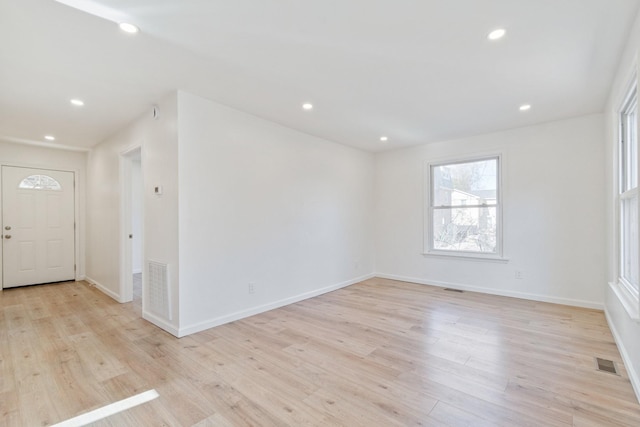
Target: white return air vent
(159, 301)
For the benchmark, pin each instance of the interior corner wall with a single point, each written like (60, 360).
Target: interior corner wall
(625, 329)
(13, 154)
(159, 150)
(553, 195)
(265, 205)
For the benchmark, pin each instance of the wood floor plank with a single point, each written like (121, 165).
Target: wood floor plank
(380, 352)
(9, 409)
(454, 417)
(284, 403)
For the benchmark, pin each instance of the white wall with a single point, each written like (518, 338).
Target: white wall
(553, 197)
(264, 204)
(13, 154)
(625, 329)
(159, 142)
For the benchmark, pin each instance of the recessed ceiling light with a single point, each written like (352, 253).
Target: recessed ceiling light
(50, 138)
(77, 102)
(384, 138)
(497, 34)
(129, 28)
(307, 106)
(525, 107)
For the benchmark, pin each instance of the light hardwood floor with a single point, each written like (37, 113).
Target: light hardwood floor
(378, 353)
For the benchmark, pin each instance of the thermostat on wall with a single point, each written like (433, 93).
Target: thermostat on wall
(157, 190)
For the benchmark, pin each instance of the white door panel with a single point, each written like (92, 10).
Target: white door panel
(37, 226)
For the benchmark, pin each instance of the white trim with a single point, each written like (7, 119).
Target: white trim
(77, 225)
(44, 144)
(629, 194)
(634, 378)
(103, 289)
(628, 301)
(109, 410)
(150, 317)
(493, 291)
(161, 323)
(427, 222)
(629, 89)
(125, 160)
(124, 226)
(629, 99)
(201, 326)
(466, 255)
(616, 212)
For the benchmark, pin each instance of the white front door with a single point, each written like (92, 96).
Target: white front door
(38, 221)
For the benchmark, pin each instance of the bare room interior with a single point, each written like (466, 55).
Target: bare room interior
(375, 213)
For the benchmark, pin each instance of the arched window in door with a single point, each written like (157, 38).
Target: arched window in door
(40, 182)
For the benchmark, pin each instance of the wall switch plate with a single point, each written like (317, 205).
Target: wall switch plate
(157, 190)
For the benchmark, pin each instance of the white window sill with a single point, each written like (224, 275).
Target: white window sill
(470, 256)
(629, 302)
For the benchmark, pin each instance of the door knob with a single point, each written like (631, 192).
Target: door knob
(7, 236)
(7, 227)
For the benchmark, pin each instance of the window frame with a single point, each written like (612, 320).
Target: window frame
(624, 191)
(428, 243)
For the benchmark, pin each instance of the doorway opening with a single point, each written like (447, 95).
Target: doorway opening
(132, 237)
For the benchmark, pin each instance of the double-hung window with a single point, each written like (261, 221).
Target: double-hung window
(464, 208)
(628, 194)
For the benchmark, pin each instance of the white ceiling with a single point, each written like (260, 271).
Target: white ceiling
(415, 70)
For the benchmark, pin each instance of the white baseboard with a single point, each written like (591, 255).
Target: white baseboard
(103, 289)
(500, 292)
(201, 326)
(145, 315)
(628, 363)
(161, 323)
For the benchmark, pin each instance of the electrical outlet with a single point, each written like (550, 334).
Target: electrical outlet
(519, 275)
(356, 264)
(252, 288)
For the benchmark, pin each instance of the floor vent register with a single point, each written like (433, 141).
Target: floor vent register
(606, 366)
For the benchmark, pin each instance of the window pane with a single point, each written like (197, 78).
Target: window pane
(632, 151)
(465, 229)
(471, 183)
(40, 182)
(630, 240)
